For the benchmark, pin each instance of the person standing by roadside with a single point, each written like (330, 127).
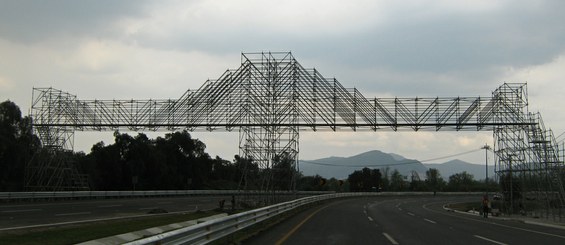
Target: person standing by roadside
(486, 206)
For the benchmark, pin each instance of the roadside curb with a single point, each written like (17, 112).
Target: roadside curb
(525, 221)
(544, 224)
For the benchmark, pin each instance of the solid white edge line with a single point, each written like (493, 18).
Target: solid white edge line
(390, 239)
(87, 221)
(20, 210)
(490, 240)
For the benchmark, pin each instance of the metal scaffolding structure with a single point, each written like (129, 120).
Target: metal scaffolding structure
(270, 98)
(529, 160)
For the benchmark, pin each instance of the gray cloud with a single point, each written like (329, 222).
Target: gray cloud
(409, 54)
(31, 21)
(408, 49)
(447, 43)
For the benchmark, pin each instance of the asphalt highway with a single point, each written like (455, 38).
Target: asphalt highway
(28, 215)
(402, 220)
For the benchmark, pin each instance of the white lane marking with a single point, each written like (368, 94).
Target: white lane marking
(21, 210)
(370, 219)
(490, 240)
(390, 239)
(425, 206)
(69, 214)
(411, 214)
(83, 221)
(431, 221)
(110, 206)
(399, 209)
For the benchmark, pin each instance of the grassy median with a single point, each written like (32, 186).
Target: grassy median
(76, 233)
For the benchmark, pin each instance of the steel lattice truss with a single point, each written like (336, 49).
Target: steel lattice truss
(270, 98)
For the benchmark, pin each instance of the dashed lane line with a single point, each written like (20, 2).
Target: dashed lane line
(390, 239)
(431, 221)
(490, 240)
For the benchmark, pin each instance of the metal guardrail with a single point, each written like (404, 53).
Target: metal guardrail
(218, 228)
(9, 196)
(213, 230)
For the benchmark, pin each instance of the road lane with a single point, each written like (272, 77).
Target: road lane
(454, 228)
(331, 223)
(335, 223)
(37, 214)
(507, 227)
(402, 220)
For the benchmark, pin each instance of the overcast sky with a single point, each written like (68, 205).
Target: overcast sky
(158, 49)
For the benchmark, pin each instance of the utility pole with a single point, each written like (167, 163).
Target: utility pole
(487, 148)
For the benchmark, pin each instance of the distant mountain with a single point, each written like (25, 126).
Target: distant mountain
(457, 166)
(342, 167)
(397, 157)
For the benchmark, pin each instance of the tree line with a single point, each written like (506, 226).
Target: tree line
(178, 161)
(17, 146)
(385, 180)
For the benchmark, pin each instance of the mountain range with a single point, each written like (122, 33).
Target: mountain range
(342, 167)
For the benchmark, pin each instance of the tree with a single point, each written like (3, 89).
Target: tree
(17, 146)
(312, 183)
(108, 167)
(511, 186)
(223, 175)
(283, 172)
(174, 162)
(248, 174)
(355, 180)
(461, 182)
(365, 180)
(385, 182)
(397, 182)
(434, 181)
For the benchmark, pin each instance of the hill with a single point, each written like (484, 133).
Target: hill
(341, 167)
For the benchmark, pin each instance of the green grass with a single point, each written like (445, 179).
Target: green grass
(71, 234)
